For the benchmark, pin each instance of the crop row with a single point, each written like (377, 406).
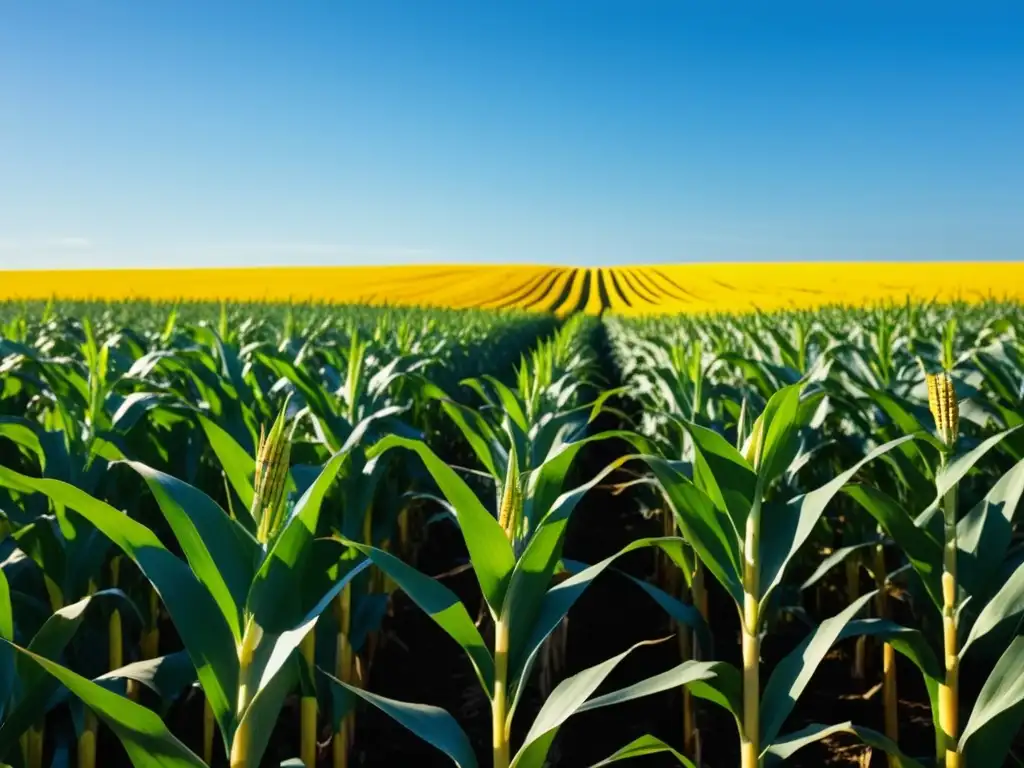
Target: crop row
(209, 514)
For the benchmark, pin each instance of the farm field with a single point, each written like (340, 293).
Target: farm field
(692, 288)
(258, 534)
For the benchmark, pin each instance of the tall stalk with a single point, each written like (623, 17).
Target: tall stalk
(342, 670)
(943, 405)
(208, 726)
(949, 691)
(307, 707)
(87, 738)
(750, 740)
(852, 593)
(890, 699)
(699, 596)
(241, 742)
(499, 705)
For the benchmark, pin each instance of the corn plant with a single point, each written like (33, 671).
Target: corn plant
(746, 540)
(234, 602)
(514, 556)
(963, 566)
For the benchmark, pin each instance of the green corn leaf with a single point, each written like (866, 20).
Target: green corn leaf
(474, 428)
(509, 402)
(1007, 605)
(780, 444)
(221, 552)
(556, 604)
(793, 673)
(685, 614)
(489, 549)
(7, 664)
(912, 645)
(641, 747)
(134, 407)
(573, 695)
(442, 605)
(705, 526)
(998, 713)
(239, 467)
(788, 745)
(953, 472)
(721, 472)
(921, 548)
(984, 533)
(29, 690)
(532, 574)
(785, 531)
(196, 615)
(272, 597)
(24, 433)
(432, 724)
(142, 733)
(167, 676)
(836, 558)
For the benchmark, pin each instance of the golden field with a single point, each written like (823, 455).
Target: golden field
(626, 290)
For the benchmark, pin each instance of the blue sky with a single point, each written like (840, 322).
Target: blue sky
(584, 132)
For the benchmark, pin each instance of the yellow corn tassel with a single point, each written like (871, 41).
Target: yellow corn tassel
(270, 478)
(943, 405)
(511, 498)
(307, 706)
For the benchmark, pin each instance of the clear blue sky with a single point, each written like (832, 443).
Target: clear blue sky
(199, 132)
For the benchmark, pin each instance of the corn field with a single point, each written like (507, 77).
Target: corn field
(288, 535)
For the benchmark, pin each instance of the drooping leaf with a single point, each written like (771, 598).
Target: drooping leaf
(998, 713)
(922, 549)
(573, 695)
(704, 525)
(1007, 605)
(489, 549)
(793, 673)
(221, 552)
(201, 625)
(432, 724)
(641, 747)
(442, 605)
(239, 467)
(142, 732)
(786, 746)
(783, 533)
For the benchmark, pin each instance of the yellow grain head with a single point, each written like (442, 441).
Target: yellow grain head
(943, 405)
(511, 497)
(270, 478)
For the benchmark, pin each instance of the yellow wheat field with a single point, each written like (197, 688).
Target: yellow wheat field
(626, 290)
